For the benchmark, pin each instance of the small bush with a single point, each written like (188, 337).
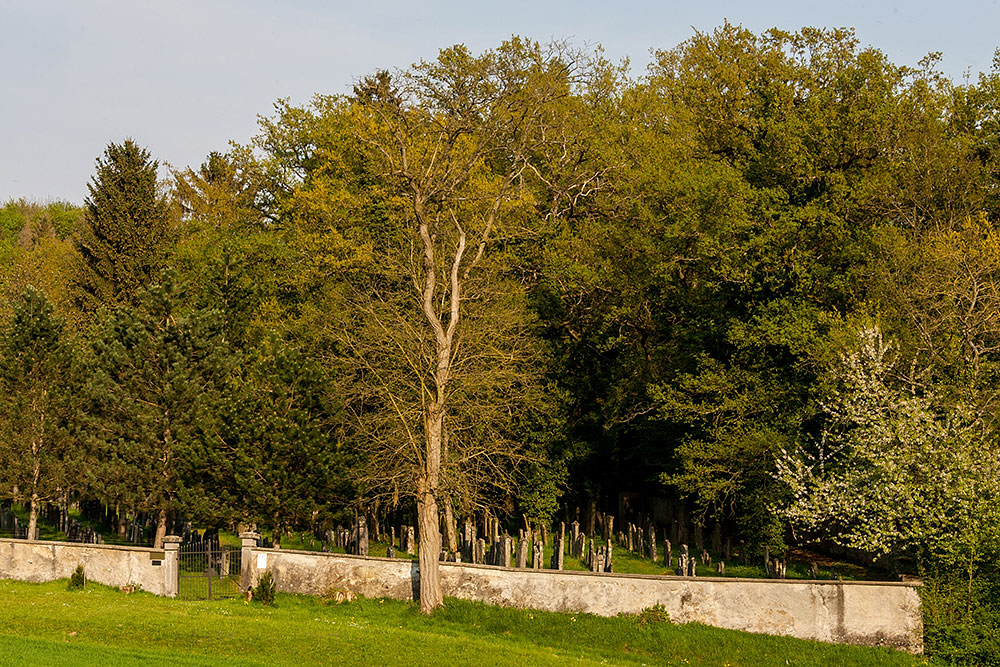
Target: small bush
(264, 591)
(78, 579)
(130, 588)
(337, 595)
(653, 616)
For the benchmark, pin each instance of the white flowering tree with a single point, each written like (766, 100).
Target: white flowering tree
(894, 468)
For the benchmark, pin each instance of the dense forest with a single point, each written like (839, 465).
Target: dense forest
(759, 284)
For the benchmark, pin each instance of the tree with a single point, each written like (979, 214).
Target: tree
(159, 370)
(41, 456)
(278, 450)
(457, 142)
(127, 230)
(895, 468)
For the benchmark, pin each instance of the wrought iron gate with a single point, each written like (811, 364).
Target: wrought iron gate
(208, 571)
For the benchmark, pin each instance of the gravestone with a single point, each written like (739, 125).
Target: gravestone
(362, 532)
(479, 552)
(521, 560)
(411, 540)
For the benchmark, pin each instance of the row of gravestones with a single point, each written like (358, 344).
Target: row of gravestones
(11, 525)
(76, 532)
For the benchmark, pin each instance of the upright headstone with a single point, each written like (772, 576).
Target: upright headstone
(521, 560)
(362, 536)
(411, 542)
(538, 555)
(479, 552)
(652, 544)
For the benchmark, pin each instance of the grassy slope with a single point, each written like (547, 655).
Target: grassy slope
(44, 624)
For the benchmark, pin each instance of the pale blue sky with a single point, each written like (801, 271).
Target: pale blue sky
(184, 77)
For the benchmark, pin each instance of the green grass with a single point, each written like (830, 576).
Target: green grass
(46, 624)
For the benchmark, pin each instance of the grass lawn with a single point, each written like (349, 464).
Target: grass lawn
(45, 624)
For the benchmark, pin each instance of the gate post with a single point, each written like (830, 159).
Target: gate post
(171, 565)
(249, 541)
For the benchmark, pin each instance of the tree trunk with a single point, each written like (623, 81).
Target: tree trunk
(33, 518)
(431, 596)
(161, 528)
(449, 526)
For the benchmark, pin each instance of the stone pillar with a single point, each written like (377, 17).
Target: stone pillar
(171, 565)
(248, 541)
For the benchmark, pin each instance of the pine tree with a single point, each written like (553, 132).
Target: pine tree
(159, 371)
(127, 228)
(39, 455)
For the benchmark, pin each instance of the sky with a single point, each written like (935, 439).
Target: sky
(186, 77)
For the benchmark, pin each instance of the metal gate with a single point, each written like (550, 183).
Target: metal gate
(208, 571)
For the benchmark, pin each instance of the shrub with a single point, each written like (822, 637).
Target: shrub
(265, 589)
(653, 615)
(78, 579)
(337, 595)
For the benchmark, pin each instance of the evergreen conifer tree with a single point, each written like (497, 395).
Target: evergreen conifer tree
(123, 242)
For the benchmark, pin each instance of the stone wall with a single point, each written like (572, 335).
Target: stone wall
(867, 613)
(850, 612)
(106, 564)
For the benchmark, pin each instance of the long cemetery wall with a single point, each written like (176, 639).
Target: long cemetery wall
(853, 612)
(867, 613)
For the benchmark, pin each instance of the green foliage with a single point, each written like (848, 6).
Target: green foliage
(961, 613)
(127, 226)
(894, 469)
(653, 616)
(40, 381)
(265, 589)
(158, 375)
(78, 579)
(278, 456)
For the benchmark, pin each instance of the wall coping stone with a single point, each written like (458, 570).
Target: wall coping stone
(112, 547)
(622, 575)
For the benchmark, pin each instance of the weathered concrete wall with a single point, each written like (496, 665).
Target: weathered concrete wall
(106, 564)
(314, 573)
(867, 613)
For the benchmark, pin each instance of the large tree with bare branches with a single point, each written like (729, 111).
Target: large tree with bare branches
(473, 151)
